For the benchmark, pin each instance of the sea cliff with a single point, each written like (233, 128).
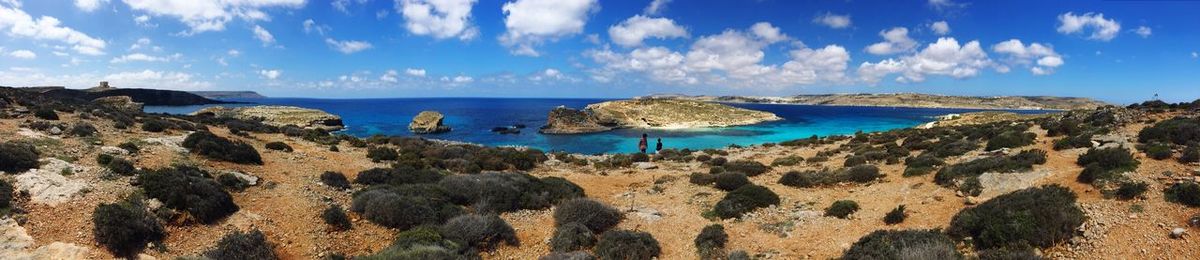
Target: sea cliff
(651, 113)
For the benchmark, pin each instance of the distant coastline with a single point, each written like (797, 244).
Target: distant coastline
(228, 94)
(911, 100)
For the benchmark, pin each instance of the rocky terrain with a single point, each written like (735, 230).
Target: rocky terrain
(151, 97)
(428, 122)
(227, 94)
(1110, 183)
(651, 113)
(911, 100)
(278, 116)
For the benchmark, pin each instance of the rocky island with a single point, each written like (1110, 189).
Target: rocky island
(428, 122)
(650, 113)
(909, 100)
(279, 116)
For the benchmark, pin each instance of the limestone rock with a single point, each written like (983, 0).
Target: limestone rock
(47, 185)
(279, 116)
(563, 120)
(1177, 233)
(124, 104)
(113, 150)
(174, 143)
(645, 165)
(428, 122)
(647, 214)
(650, 113)
(249, 179)
(55, 131)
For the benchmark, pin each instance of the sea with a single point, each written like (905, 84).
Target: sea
(472, 120)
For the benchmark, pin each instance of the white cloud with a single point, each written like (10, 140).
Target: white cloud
(270, 74)
(23, 54)
(1041, 58)
(1102, 29)
(636, 29)
(144, 43)
(656, 7)
(415, 72)
(156, 80)
(768, 32)
(348, 47)
(946, 57)
(940, 27)
(895, 40)
(233, 53)
(531, 22)
(343, 5)
(20, 24)
(440, 19)
(833, 20)
(1143, 31)
(1195, 55)
(459, 79)
(390, 76)
(89, 5)
(312, 26)
(203, 16)
(142, 57)
(263, 35)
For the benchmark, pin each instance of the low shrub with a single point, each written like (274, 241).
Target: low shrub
(1131, 189)
(787, 161)
(748, 167)
(188, 189)
(495, 192)
(572, 237)
(397, 176)
(700, 178)
(1019, 162)
(717, 161)
(120, 166)
(738, 255)
(336, 218)
(921, 165)
(478, 231)
(155, 125)
(279, 146)
(82, 129)
(335, 179)
(232, 182)
(219, 148)
(971, 186)
(861, 174)
(576, 255)
(125, 228)
(854, 161)
(809, 179)
(405, 206)
(639, 157)
(104, 159)
(1040, 216)
(743, 200)
(379, 154)
(238, 245)
(590, 213)
(45, 113)
(903, 244)
(896, 216)
(951, 147)
(624, 244)
(130, 147)
(1158, 151)
(1074, 141)
(841, 209)
(6, 194)
(424, 242)
(1010, 139)
(1009, 252)
(710, 243)
(17, 157)
(1190, 154)
(1180, 131)
(730, 181)
(1186, 193)
(1103, 165)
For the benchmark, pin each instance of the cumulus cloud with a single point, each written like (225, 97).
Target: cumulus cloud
(1041, 58)
(203, 16)
(946, 57)
(157, 80)
(391, 76)
(348, 47)
(415, 72)
(89, 5)
(1102, 29)
(270, 74)
(833, 20)
(440, 19)
(344, 5)
(263, 35)
(656, 7)
(23, 54)
(529, 23)
(895, 40)
(311, 26)
(940, 27)
(17, 23)
(636, 29)
(142, 57)
(1143, 31)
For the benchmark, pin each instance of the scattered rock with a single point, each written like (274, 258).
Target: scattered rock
(648, 214)
(113, 150)
(428, 122)
(645, 165)
(996, 184)
(249, 179)
(55, 131)
(15, 243)
(47, 185)
(1177, 233)
(174, 143)
(970, 200)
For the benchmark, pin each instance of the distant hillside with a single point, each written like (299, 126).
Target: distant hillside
(149, 97)
(228, 94)
(911, 100)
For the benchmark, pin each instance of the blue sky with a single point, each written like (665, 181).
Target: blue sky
(1118, 51)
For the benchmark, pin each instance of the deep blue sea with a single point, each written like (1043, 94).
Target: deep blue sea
(473, 118)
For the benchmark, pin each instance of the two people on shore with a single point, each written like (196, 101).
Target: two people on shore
(643, 144)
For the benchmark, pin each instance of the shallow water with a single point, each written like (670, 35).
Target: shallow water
(473, 118)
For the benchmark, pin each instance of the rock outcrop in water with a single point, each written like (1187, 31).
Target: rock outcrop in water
(428, 122)
(279, 116)
(650, 113)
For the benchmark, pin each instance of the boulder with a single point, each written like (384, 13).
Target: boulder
(113, 150)
(124, 104)
(428, 122)
(47, 185)
(645, 165)
(563, 120)
(1177, 233)
(279, 116)
(249, 179)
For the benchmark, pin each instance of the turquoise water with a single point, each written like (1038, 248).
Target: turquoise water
(473, 118)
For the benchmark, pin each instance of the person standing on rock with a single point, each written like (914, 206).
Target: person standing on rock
(658, 147)
(642, 144)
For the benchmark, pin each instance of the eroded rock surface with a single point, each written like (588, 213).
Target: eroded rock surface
(563, 120)
(120, 103)
(651, 113)
(279, 116)
(47, 185)
(428, 122)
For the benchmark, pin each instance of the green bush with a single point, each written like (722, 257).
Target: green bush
(279, 146)
(1105, 164)
(379, 153)
(336, 218)
(639, 157)
(1158, 151)
(576, 255)
(971, 186)
(738, 255)
(903, 244)
(335, 179)
(854, 161)
(921, 165)
(125, 228)
(710, 243)
(1009, 253)
(896, 216)
(717, 161)
(1181, 131)
(219, 148)
(787, 161)
(424, 242)
(743, 200)
(405, 206)
(45, 113)
(1186, 193)
(1041, 217)
(82, 129)
(730, 181)
(188, 189)
(806, 179)
(590, 213)
(155, 125)
(120, 166)
(1190, 154)
(951, 147)
(1074, 141)
(861, 174)
(495, 192)
(1010, 139)
(6, 194)
(249, 246)
(479, 231)
(841, 209)
(624, 244)
(572, 237)
(1022, 161)
(748, 167)
(17, 157)
(703, 179)
(129, 146)
(1131, 189)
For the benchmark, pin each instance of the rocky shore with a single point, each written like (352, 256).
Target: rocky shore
(651, 113)
(279, 116)
(910, 100)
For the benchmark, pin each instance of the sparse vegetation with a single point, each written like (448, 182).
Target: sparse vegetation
(710, 243)
(336, 218)
(251, 245)
(1180, 131)
(1158, 151)
(1131, 189)
(1010, 139)
(592, 214)
(896, 216)
(17, 157)
(124, 228)
(279, 146)
(903, 244)
(841, 209)
(379, 154)
(405, 206)
(189, 189)
(624, 244)
(1041, 217)
(809, 179)
(1186, 193)
(743, 200)
(495, 192)
(1019, 162)
(790, 160)
(1105, 165)
(219, 148)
